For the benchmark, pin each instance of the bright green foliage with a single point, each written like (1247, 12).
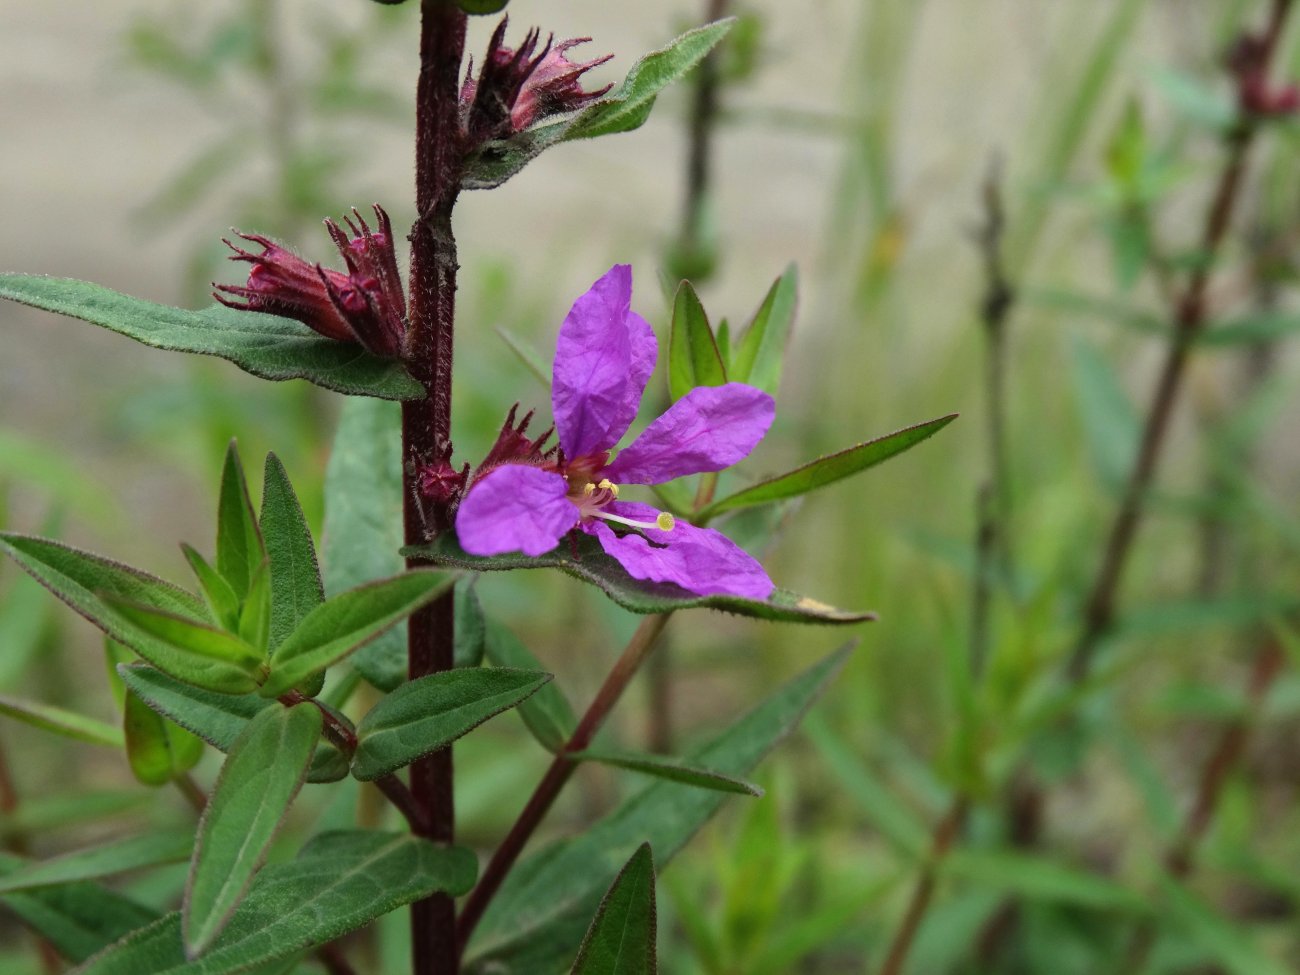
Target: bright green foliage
(217, 718)
(662, 768)
(222, 602)
(240, 551)
(344, 622)
(537, 919)
(363, 521)
(159, 751)
(78, 918)
(829, 469)
(193, 637)
(547, 713)
(339, 882)
(528, 354)
(471, 626)
(693, 355)
(621, 939)
(265, 345)
(587, 561)
(431, 712)
(295, 578)
(1221, 939)
(61, 721)
(119, 856)
(262, 774)
(255, 614)
(79, 578)
(623, 109)
(1039, 878)
(759, 352)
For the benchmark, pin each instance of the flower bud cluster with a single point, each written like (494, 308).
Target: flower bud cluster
(1257, 96)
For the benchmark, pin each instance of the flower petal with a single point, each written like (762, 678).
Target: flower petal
(709, 428)
(515, 509)
(700, 560)
(603, 359)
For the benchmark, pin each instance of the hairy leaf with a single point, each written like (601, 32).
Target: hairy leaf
(261, 777)
(621, 939)
(587, 561)
(547, 713)
(661, 768)
(693, 356)
(158, 750)
(265, 345)
(240, 552)
(431, 712)
(61, 721)
(295, 578)
(118, 856)
(759, 353)
(190, 637)
(217, 593)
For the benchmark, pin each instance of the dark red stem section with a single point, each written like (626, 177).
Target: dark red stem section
(539, 803)
(426, 426)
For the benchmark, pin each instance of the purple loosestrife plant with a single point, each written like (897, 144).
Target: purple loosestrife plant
(531, 501)
(241, 658)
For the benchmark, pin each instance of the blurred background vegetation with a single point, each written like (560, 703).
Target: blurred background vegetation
(865, 140)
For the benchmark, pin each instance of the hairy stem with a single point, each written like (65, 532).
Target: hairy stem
(426, 427)
(539, 803)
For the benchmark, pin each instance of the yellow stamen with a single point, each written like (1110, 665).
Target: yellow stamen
(588, 489)
(665, 521)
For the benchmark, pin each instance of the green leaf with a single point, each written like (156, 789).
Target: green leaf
(693, 356)
(344, 622)
(471, 627)
(69, 724)
(660, 768)
(363, 521)
(1041, 879)
(622, 110)
(218, 719)
(1109, 418)
(265, 345)
(431, 712)
(528, 354)
(191, 637)
(257, 784)
(79, 919)
(478, 7)
(221, 599)
(255, 615)
(24, 620)
(542, 909)
(158, 750)
(760, 351)
(119, 856)
(828, 469)
(587, 561)
(547, 713)
(79, 577)
(621, 939)
(339, 882)
(1230, 944)
(295, 578)
(240, 552)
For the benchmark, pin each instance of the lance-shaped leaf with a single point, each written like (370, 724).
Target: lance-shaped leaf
(339, 882)
(79, 919)
(623, 109)
(344, 622)
(218, 719)
(621, 939)
(295, 578)
(265, 345)
(586, 560)
(538, 917)
(78, 578)
(547, 713)
(255, 615)
(107, 860)
(527, 353)
(158, 750)
(471, 627)
(240, 552)
(262, 774)
(828, 469)
(61, 721)
(363, 521)
(431, 712)
(192, 637)
(693, 356)
(222, 602)
(660, 768)
(479, 7)
(759, 353)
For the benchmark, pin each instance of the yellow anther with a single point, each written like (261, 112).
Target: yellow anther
(613, 489)
(606, 485)
(665, 521)
(588, 489)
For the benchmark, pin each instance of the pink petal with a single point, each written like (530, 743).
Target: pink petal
(709, 428)
(603, 359)
(515, 509)
(699, 560)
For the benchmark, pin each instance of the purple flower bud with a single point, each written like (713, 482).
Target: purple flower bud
(366, 305)
(517, 87)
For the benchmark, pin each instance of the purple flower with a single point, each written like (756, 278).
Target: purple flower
(523, 500)
(366, 305)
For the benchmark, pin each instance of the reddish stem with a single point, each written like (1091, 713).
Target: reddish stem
(634, 654)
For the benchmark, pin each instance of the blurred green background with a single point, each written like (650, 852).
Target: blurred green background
(855, 139)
